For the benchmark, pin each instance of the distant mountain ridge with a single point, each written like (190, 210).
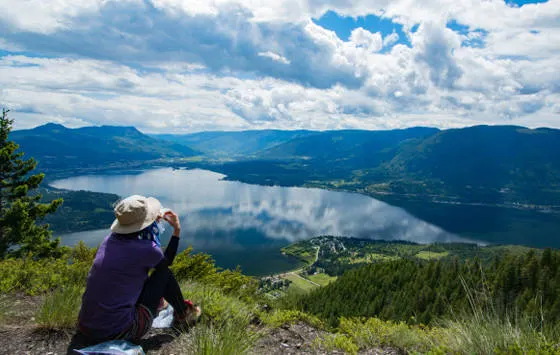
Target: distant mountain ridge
(235, 143)
(502, 164)
(348, 145)
(56, 146)
(481, 163)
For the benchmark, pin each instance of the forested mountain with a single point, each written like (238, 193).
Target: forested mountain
(80, 210)
(419, 291)
(497, 164)
(56, 146)
(234, 144)
(356, 147)
(501, 158)
(454, 155)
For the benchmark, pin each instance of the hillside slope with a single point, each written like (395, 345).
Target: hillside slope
(501, 158)
(489, 164)
(355, 147)
(234, 144)
(56, 146)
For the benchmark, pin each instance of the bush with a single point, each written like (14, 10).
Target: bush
(35, 276)
(280, 317)
(339, 342)
(60, 308)
(197, 267)
(217, 306)
(201, 268)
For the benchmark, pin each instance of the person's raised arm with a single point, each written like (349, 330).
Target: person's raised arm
(171, 250)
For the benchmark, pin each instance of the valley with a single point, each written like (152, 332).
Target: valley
(327, 257)
(412, 259)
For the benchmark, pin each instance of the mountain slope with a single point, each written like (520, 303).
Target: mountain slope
(56, 146)
(234, 144)
(366, 148)
(491, 164)
(495, 157)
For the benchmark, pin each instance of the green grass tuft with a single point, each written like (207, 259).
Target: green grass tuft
(374, 332)
(60, 308)
(227, 338)
(491, 334)
(225, 326)
(336, 342)
(280, 317)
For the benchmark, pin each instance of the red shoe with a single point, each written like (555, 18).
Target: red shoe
(189, 319)
(162, 305)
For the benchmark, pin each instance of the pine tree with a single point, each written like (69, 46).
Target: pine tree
(20, 210)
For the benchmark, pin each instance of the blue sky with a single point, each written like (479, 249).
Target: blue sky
(182, 66)
(344, 25)
(524, 2)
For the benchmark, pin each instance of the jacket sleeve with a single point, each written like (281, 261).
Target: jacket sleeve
(170, 253)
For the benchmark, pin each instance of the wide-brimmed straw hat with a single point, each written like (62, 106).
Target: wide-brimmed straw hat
(135, 213)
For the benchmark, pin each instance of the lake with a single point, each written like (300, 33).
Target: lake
(246, 225)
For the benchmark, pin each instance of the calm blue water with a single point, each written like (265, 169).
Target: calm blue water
(242, 224)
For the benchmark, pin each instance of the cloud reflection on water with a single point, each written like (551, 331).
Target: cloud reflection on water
(216, 213)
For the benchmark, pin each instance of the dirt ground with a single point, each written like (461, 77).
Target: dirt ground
(289, 339)
(299, 339)
(19, 334)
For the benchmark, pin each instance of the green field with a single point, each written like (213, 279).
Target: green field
(321, 279)
(430, 255)
(368, 258)
(298, 284)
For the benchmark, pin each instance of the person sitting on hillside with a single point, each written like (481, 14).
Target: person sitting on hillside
(121, 300)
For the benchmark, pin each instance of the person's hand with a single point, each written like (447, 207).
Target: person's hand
(173, 220)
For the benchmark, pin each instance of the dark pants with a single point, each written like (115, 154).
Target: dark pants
(162, 283)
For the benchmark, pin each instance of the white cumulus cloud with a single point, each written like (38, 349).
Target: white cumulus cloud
(174, 65)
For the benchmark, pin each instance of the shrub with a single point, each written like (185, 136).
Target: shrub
(339, 342)
(196, 267)
(201, 268)
(34, 276)
(279, 317)
(217, 306)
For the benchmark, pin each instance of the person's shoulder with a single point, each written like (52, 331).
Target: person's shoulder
(149, 245)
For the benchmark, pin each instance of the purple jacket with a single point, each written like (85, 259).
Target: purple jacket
(114, 284)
